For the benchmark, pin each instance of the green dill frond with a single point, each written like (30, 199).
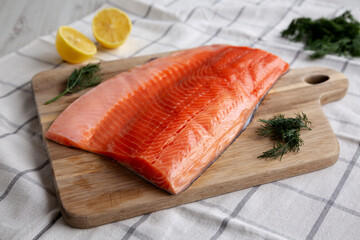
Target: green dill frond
(340, 35)
(285, 132)
(81, 78)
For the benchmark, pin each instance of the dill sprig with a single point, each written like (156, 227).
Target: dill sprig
(339, 35)
(81, 78)
(285, 132)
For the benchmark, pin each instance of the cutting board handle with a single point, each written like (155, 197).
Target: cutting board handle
(332, 84)
(314, 83)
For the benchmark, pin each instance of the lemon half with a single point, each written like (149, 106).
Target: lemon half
(73, 46)
(111, 27)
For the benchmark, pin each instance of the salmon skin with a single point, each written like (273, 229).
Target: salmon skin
(169, 119)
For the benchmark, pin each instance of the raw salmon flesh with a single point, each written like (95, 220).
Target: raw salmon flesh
(169, 119)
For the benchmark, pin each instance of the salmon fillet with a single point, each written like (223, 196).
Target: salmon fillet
(169, 119)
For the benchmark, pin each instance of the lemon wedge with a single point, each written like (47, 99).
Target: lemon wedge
(73, 46)
(111, 27)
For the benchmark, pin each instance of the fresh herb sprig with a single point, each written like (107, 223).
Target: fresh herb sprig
(81, 78)
(285, 132)
(339, 35)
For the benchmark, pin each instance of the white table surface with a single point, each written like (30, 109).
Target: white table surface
(22, 21)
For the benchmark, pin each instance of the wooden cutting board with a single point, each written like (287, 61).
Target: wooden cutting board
(93, 190)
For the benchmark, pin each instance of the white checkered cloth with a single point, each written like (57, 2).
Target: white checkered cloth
(319, 205)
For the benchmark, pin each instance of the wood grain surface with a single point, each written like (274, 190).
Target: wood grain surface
(95, 190)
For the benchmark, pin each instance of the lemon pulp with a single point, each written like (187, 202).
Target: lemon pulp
(73, 46)
(111, 27)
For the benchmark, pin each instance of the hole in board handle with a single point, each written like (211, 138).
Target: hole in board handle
(316, 79)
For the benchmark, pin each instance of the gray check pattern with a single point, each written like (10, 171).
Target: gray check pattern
(319, 205)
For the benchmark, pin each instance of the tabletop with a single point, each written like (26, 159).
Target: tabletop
(21, 25)
(318, 205)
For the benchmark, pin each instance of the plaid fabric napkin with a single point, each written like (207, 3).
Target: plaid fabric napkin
(319, 205)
